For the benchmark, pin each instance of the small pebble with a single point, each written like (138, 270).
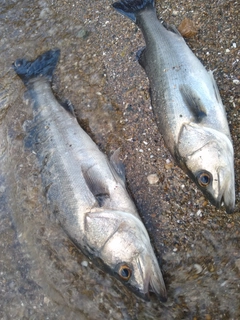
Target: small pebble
(153, 215)
(153, 178)
(82, 33)
(230, 225)
(45, 13)
(198, 268)
(84, 263)
(199, 213)
(169, 165)
(205, 203)
(46, 300)
(187, 28)
(236, 81)
(223, 284)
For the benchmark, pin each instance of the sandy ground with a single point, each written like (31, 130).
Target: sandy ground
(42, 276)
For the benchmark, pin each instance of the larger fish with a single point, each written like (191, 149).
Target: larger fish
(187, 105)
(85, 190)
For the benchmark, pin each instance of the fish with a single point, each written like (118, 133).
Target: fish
(187, 105)
(86, 191)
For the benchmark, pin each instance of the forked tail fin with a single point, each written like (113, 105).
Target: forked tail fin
(129, 8)
(43, 66)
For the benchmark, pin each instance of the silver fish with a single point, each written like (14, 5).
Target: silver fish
(187, 105)
(86, 191)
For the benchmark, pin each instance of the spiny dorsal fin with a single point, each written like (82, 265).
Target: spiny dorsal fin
(68, 106)
(117, 164)
(215, 87)
(193, 102)
(172, 28)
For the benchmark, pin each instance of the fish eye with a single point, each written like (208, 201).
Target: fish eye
(124, 272)
(204, 178)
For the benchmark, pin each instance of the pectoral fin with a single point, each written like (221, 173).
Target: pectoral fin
(193, 102)
(96, 185)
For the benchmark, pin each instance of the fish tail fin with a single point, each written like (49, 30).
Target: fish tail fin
(129, 8)
(43, 66)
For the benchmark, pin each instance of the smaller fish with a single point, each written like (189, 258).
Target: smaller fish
(85, 190)
(187, 105)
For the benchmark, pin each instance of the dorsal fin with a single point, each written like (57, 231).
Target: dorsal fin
(215, 87)
(117, 164)
(172, 28)
(193, 102)
(68, 106)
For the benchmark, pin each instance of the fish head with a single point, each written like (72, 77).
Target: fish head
(123, 249)
(207, 156)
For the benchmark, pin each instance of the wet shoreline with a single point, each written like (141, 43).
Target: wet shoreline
(43, 276)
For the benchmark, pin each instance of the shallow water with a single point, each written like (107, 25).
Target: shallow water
(42, 275)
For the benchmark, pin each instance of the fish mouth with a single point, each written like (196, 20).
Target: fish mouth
(229, 205)
(224, 198)
(162, 296)
(220, 201)
(225, 194)
(230, 208)
(143, 295)
(153, 283)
